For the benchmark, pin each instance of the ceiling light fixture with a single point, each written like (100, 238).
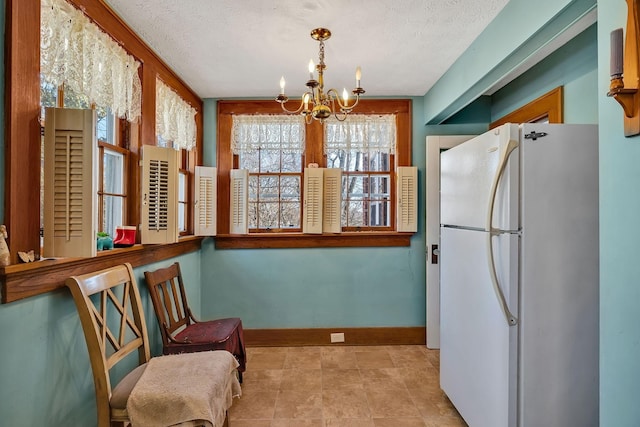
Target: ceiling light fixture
(315, 103)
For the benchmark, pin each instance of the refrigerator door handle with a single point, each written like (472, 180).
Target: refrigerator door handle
(504, 157)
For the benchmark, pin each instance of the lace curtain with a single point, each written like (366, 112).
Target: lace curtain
(74, 51)
(361, 133)
(267, 132)
(175, 118)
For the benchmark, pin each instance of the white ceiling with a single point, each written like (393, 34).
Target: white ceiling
(241, 48)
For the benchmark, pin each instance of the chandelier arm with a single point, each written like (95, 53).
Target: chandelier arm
(343, 107)
(299, 109)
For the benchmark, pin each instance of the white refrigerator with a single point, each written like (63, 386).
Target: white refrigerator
(520, 278)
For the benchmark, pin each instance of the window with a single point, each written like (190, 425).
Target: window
(270, 148)
(23, 155)
(363, 147)
(276, 175)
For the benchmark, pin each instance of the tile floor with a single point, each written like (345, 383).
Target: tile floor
(343, 386)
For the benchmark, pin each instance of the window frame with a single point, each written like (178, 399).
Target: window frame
(22, 149)
(314, 153)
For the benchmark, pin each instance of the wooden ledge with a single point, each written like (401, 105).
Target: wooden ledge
(20, 281)
(299, 240)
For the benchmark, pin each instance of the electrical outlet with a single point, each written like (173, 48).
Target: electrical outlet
(337, 337)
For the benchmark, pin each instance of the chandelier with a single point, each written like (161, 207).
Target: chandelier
(315, 102)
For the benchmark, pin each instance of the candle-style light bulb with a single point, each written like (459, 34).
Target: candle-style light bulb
(345, 96)
(306, 101)
(358, 75)
(617, 55)
(282, 85)
(311, 68)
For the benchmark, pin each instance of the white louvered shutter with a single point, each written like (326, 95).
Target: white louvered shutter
(312, 209)
(70, 183)
(332, 201)
(407, 198)
(205, 203)
(159, 195)
(238, 217)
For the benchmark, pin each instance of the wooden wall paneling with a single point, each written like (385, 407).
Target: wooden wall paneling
(22, 129)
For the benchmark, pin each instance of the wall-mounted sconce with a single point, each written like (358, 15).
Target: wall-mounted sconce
(624, 62)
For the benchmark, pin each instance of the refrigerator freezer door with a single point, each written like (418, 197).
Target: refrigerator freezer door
(467, 173)
(478, 348)
(560, 277)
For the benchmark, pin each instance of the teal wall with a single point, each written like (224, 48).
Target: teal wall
(317, 287)
(45, 376)
(574, 66)
(619, 237)
(44, 372)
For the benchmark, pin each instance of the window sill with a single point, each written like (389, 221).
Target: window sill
(20, 281)
(299, 240)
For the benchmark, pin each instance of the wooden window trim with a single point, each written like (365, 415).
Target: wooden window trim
(224, 240)
(22, 147)
(548, 105)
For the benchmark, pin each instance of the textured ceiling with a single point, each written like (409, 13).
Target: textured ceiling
(241, 48)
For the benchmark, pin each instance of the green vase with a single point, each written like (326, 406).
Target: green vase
(104, 243)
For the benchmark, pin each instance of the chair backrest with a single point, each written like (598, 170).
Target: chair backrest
(169, 300)
(110, 311)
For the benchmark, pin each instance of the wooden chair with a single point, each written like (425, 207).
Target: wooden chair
(110, 311)
(181, 332)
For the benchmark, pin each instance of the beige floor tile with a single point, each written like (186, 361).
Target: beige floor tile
(382, 377)
(390, 403)
(374, 359)
(303, 360)
(262, 380)
(339, 360)
(345, 404)
(444, 422)
(257, 405)
(295, 423)
(349, 422)
(343, 386)
(335, 379)
(298, 404)
(301, 379)
(398, 422)
(252, 423)
(261, 361)
(417, 377)
(432, 402)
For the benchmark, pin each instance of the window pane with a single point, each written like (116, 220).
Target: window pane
(269, 161)
(113, 213)
(268, 188)
(379, 214)
(75, 100)
(105, 125)
(48, 95)
(268, 213)
(253, 188)
(290, 188)
(290, 215)
(353, 214)
(354, 186)
(291, 162)
(379, 187)
(249, 160)
(378, 162)
(182, 187)
(182, 214)
(253, 215)
(113, 179)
